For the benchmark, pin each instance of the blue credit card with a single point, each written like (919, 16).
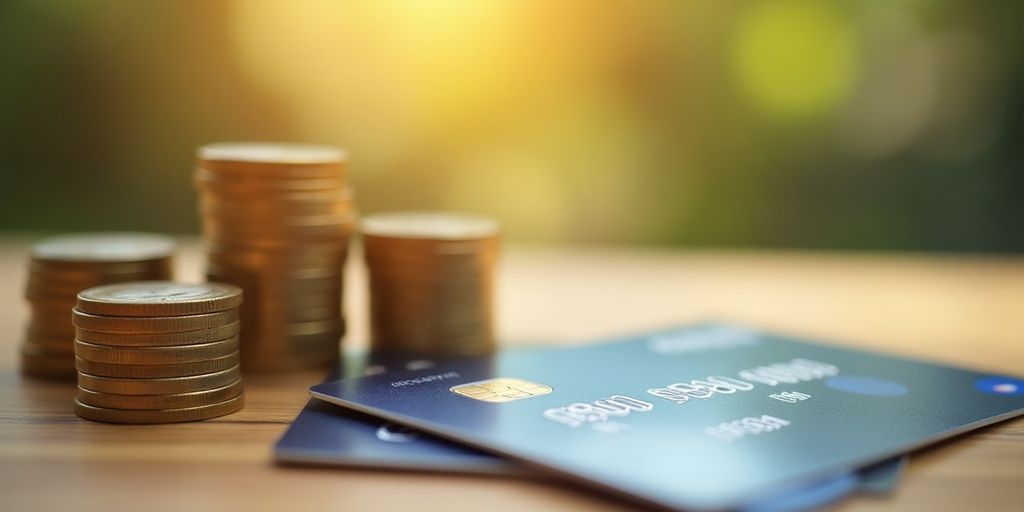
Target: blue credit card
(712, 416)
(325, 434)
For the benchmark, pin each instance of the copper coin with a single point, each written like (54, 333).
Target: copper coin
(429, 225)
(156, 386)
(156, 371)
(158, 298)
(276, 363)
(201, 412)
(270, 157)
(160, 402)
(153, 325)
(271, 183)
(104, 247)
(155, 355)
(54, 345)
(159, 340)
(38, 363)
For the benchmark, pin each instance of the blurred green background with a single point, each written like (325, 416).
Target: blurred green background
(891, 125)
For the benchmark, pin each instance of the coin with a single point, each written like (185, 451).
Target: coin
(431, 282)
(35, 292)
(275, 363)
(38, 363)
(429, 225)
(55, 328)
(53, 345)
(104, 248)
(201, 412)
(156, 371)
(224, 199)
(158, 298)
(268, 234)
(62, 266)
(156, 386)
(277, 219)
(158, 340)
(307, 254)
(53, 281)
(162, 401)
(230, 183)
(68, 269)
(153, 325)
(154, 355)
(255, 157)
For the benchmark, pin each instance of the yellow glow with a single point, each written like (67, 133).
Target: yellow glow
(794, 58)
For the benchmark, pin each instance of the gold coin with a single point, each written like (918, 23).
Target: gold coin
(36, 362)
(156, 386)
(153, 325)
(155, 355)
(158, 298)
(201, 412)
(158, 340)
(156, 371)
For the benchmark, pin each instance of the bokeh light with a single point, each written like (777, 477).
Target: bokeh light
(783, 123)
(794, 58)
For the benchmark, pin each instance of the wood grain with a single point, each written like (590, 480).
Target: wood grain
(957, 309)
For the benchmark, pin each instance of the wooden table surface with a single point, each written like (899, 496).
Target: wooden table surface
(956, 309)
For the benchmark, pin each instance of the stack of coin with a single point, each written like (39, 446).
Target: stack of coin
(431, 282)
(59, 268)
(277, 219)
(157, 352)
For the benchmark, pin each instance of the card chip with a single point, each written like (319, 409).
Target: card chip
(501, 390)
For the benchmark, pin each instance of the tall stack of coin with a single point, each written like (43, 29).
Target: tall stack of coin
(431, 282)
(59, 268)
(277, 219)
(157, 352)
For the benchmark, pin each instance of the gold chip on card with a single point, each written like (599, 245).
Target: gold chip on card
(501, 390)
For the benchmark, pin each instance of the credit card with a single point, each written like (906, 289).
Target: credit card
(708, 417)
(325, 434)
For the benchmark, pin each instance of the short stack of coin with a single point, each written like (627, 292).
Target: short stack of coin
(277, 219)
(431, 278)
(157, 352)
(62, 266)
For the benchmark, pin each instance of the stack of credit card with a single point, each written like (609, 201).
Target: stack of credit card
(705, 417)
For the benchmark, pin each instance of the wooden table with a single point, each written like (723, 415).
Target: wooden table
(963, 310)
